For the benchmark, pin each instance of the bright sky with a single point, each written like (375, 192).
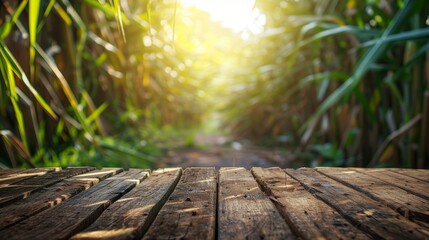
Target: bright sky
(239, 15)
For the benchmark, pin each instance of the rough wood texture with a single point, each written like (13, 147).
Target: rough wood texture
(331, 203)
(11, 177)
(131, 216)
(51, 196)
(10, 171)
(244, 211)
(309, 217)
(369, 215)
(409, 184)
(24, 188)
(190, 212)
(398, 199)
(77, 213)
(414, 173)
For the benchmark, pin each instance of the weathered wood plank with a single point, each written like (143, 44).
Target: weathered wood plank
(131, 216)
(309, 217)
(409, 205)
(368, 214)
(24, 188)
(409, 184)
(190, 212)
(10, 176)
(51, 196)
(244, 211)
(421, 174)
(7, 171)
(78, 212)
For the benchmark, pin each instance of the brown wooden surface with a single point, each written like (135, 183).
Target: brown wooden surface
(190, 212)
(11, 177)
(208, 203)
(24, 188)
(131, 216)
(77, 213)
(366, 213)
(414, 173)
(407, 204)
(51, 196)
(410, 184)
(6, 173)
(308, 216)
(243, 205)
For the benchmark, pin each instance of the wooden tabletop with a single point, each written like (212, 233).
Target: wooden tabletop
(209, 203)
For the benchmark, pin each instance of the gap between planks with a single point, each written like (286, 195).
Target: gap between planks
(407, 204)
(317, 189)
(24, 188)
(369, 215)
(76, 213)
(244, 211)
(51, 196)
(309, 217)
(131, 216)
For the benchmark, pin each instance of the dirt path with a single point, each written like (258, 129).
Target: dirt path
(216, 153)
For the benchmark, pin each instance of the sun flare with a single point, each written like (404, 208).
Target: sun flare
(238, 15)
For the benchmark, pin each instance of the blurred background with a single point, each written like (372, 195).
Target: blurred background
(142, 83)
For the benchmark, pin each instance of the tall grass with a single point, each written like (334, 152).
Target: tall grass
(81, 86)
(342, 82)
(91, 82)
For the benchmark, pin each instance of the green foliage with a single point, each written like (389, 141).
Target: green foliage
(343, 74)
(109, 83)
(100, 74)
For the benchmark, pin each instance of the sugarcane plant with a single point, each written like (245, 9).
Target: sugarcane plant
(339, 82)
(88, 82)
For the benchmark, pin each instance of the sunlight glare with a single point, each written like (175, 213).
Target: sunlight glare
(238, 15)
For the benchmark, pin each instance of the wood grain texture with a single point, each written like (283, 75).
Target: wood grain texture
(51, 196)
(9, 171)
(204, 203)
(409, 184)
(244, 211)
(190, 212)
(309, 217)
(421, 174)
(78, 212)
(131, 216)
(368, 214)
(409, 205)
(9, 176)
(24, 188)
